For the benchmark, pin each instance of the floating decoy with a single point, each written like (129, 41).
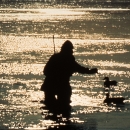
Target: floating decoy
(116, 100)
(109, 83)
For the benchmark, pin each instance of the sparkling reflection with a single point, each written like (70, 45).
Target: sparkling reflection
(20, 82)
(100, 38)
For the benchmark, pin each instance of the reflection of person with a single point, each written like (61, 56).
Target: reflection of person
(58, 71)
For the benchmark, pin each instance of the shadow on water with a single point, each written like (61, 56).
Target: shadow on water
(65, 120)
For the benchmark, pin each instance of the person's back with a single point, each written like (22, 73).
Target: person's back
(60, 66)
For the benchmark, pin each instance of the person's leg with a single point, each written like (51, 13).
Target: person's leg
(49, 98)
(64, 96)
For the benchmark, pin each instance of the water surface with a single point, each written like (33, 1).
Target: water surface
(101, 39)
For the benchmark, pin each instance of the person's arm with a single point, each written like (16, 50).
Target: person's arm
(91, 71)
(81, 69)
(84, 70)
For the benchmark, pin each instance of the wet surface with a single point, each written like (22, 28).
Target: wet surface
(24, 56)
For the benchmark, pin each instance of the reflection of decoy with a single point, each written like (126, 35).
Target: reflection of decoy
(109, 83)
(116, 100)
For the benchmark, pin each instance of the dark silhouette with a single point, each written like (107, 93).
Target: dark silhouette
(109, 83)
(58, 71)
(116, 100)
(63, 122)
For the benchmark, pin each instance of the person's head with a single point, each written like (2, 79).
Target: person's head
(67, 47)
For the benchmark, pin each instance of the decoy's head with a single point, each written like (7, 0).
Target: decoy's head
(106, 78)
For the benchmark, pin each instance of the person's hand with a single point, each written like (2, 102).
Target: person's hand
(94, 70)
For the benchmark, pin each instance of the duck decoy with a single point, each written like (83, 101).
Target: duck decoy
(116, 100)
(109, 83)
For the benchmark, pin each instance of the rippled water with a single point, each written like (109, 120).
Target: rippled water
(101, 39)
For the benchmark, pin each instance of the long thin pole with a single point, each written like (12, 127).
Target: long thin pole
(54, 44)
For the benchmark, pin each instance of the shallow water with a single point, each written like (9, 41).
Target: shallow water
(101, 39)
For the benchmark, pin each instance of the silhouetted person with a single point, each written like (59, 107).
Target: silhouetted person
(58, 71)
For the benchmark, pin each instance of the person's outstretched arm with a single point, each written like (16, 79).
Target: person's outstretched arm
(84, 70)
